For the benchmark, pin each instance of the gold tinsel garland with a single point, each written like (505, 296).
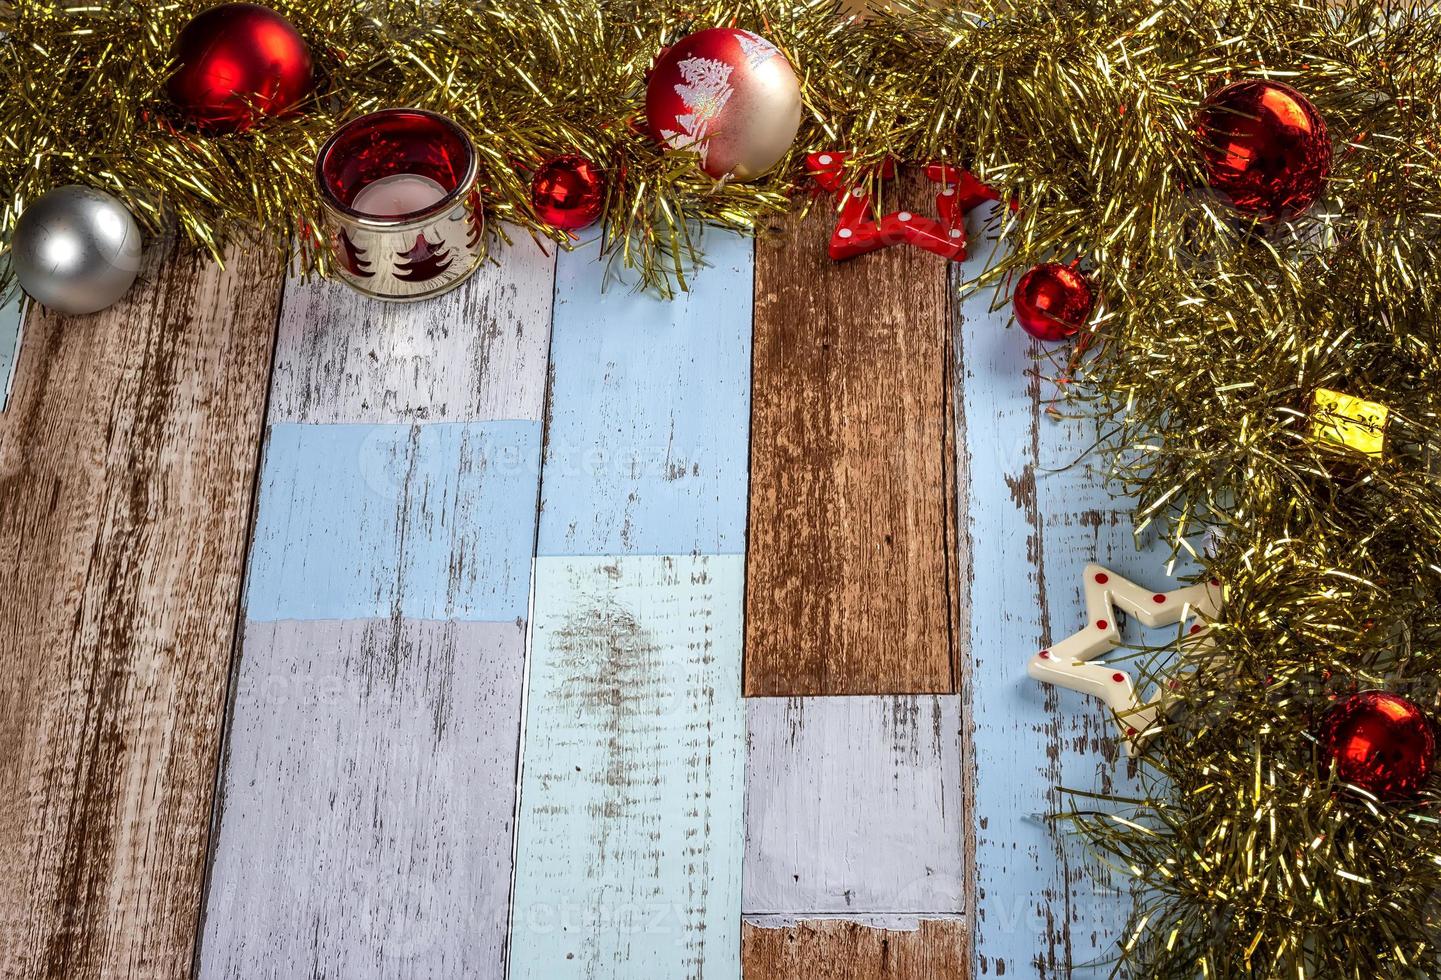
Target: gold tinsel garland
(1213, 335)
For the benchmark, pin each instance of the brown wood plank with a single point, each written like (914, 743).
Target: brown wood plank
(833, 949)
(851, 568)
(127, 462)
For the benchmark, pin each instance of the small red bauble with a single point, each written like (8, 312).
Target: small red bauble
(1264, 147)
(727, 95)
(1380, 742)
(239, 63)
(568, 192)
(1053, 301)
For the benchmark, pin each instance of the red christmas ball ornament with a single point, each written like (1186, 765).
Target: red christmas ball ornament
(1053, 301)
(1380, 742)
(239, 63)
(568, 192)
(1264, 147)
(727, 95)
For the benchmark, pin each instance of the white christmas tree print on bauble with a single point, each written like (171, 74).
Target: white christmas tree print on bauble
(705, 88)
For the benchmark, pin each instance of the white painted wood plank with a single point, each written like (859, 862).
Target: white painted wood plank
(630, 832)
(366, 821)
(476, 353)
(854, 805)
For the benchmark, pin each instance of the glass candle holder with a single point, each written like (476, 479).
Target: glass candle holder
(402, 207)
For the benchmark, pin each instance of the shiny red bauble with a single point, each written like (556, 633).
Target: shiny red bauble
(727, 95)
(239, 63)
(1264, 147)
(568, 192)
(1380, 742)
(1053, 301)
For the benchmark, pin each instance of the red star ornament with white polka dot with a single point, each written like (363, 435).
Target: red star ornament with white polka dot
(858, 231)
(1071, 663)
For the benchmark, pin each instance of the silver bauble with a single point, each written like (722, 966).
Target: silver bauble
(76, 249)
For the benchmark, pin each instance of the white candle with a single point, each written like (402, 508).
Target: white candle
(397, 194)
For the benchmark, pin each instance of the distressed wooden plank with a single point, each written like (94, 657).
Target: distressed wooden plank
(630, 839)
(831, 949)
(127, 461)
(1043, 907)
(471, 354)
(854, 805)
(11, 320)
(424, 521)
(368, 815)
(851, 581)
(629, 853)
(646, 437)
(369, 780)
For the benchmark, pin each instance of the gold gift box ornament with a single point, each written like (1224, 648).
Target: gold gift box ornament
(1345, 420)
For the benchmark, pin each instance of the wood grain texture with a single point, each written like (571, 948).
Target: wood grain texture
(854, 805)
(630, 831)
(1044, 908)
(369, 780)
(831, 949)
(11, 320)
(127, 461)
(472, 354)
(368, 812)
(851, 580)
(646, 436)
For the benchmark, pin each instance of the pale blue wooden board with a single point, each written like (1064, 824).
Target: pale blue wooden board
(630, 830)
(11, 318)
(647, 448)
(1045, 908)
(426, 521)
(630, 835)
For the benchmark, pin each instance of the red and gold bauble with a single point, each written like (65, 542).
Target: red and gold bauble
(1053, 301)
(1380, 742)
(239, 63)
(727, 95)
(1264, 147)
(568, 192)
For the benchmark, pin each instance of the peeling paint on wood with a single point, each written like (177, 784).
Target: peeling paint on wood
(368, 805)
(854, 805)
(127, 463)
(851, 581)
(832, 949)
(1043, 907)
(630, 834)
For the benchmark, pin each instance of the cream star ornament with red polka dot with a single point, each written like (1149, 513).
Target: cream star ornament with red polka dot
(1071, 663)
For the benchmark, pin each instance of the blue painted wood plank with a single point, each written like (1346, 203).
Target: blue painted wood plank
(647, 444)
(1043, 906)
(630, 830)
(12, 318)
(422, 521)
